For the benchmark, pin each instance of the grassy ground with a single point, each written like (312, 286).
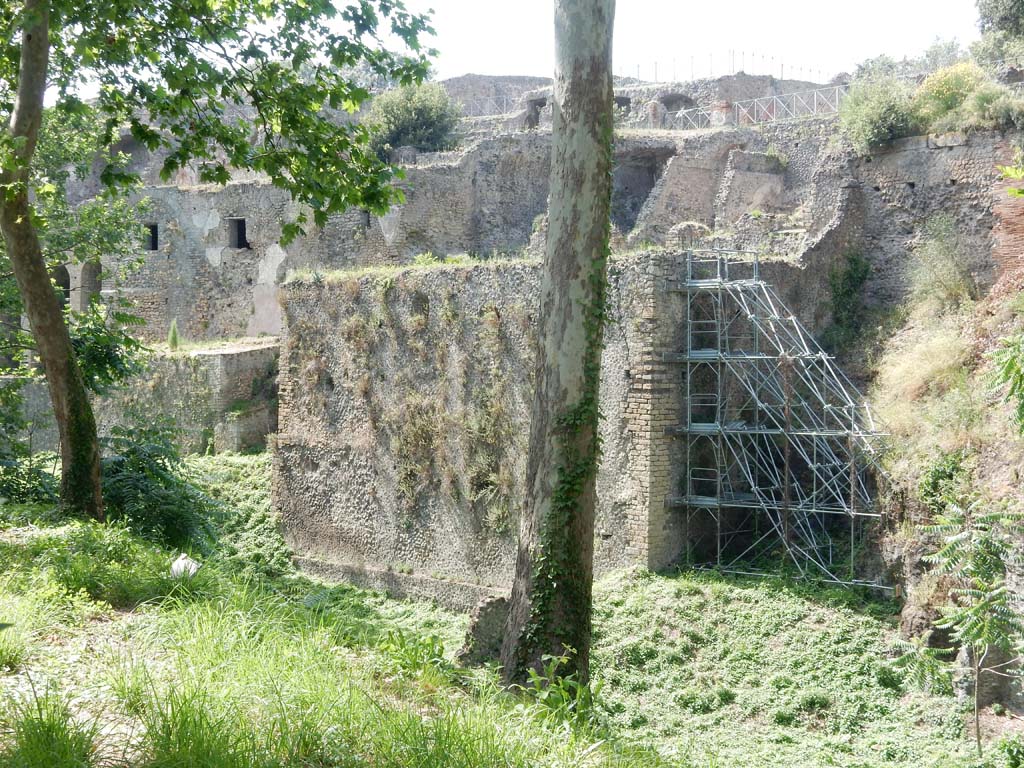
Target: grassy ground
(249, 664)
(748, 673)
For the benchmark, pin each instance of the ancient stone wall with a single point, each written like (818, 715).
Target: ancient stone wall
(222, 399)
(404, 419)
(915, 179)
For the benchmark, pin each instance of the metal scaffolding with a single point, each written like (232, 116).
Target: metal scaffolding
(778, 442)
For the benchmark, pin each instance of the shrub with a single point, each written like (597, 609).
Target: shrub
(1009, 373)
(416, 116)
(939, 272)
(875, 112)
(26, 480)
(946, 91)
(997, 46)
(144, 486)
(173, 339)
(946, 478)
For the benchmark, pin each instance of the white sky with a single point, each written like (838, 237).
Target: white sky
(812, 39)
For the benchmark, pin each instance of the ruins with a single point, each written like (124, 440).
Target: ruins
(401, 344)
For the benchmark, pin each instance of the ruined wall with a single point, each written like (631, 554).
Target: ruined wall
(404, 421)
(222, 399)
(915, 179)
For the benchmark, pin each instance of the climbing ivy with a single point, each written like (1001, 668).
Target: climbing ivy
(560, 581)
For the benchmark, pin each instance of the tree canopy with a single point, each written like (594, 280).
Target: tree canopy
(1001, 16)
(247, 84)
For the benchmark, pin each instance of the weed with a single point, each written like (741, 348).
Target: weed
(131, 684)
(44, 734)
(846, 282)
(562, 696)
(940, 273)
(184, 727)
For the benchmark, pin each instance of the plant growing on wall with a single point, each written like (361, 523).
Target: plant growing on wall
(420, 116)
(168, 73)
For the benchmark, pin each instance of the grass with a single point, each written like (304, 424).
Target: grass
(248, 667)
(44, 734)
(744, 672)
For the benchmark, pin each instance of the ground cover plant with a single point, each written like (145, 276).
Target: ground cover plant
(112, 662)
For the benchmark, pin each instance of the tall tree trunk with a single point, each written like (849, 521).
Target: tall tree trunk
(550, 610)
(80, 455)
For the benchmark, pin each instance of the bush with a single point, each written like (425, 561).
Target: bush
(947, 478)
(415, 116)
(946, 90)
(144, 486)
(939, 273)
(875, 112)
(26, 480)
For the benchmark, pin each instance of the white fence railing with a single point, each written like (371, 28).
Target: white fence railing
(820, 102)
(491, 105)
(689, 119)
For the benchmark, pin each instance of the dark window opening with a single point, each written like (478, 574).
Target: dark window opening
(676, 101)
(152, 237)
(236, 234)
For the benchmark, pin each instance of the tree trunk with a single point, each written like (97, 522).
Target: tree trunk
(80, 455)
(550, 610)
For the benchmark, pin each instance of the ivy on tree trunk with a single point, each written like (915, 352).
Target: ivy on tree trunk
(550, 611)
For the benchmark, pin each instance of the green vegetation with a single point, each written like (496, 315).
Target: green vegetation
(882, 106)
(930, 389)
(1001, 16)
(232, 668)
(741, 672)
(846, 283)
(45, 735)
(173, 340)
(1009, 373)
(876, 112)
(229, 668)
(976, 546)
(420, 116)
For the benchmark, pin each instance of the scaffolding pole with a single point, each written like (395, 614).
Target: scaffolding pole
(779, 446)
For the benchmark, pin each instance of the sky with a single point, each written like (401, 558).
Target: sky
(802, 39)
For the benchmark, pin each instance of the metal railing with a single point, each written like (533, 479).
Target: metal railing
(491, 105)
(821, 102)
(691, 119)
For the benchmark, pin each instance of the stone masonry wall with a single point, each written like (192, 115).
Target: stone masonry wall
(404, 421)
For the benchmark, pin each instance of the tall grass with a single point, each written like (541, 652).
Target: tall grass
(45, 734)
(263, 680)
